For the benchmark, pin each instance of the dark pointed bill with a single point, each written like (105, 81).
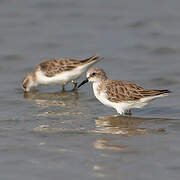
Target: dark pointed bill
(84, 82)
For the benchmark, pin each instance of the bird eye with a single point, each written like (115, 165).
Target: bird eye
(93, 74)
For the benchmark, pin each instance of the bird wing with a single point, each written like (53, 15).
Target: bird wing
(118, 91)
(55, 66)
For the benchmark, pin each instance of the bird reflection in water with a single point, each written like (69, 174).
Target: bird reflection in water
(104, 144)
(63, 99)
(67, 100)
(120, 125)
(123, 125)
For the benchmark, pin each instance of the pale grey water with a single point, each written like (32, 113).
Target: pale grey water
(49, 135)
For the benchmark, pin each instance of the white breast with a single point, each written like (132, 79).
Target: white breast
(101, 96)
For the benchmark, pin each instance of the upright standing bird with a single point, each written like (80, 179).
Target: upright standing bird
(120, 95)
(58, 71)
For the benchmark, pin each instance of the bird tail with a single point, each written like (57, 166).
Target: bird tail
(91, 59)
(163, 92)
(155, 92)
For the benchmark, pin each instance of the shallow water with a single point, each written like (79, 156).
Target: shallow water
(47, 134)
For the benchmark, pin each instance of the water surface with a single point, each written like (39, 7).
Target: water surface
(47, 134)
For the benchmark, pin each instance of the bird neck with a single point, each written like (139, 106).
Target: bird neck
(98, 86)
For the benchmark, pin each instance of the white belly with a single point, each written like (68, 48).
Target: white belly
(61, 78)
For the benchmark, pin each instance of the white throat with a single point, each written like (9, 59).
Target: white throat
(95, 88)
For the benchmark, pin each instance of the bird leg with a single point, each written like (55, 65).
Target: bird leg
(75, 85)
(128, 112)
(63, 88)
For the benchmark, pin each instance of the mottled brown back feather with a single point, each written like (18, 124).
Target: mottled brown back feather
(118, 91)
(55, 66)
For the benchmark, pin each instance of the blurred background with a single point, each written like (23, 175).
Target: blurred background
(51, 135)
